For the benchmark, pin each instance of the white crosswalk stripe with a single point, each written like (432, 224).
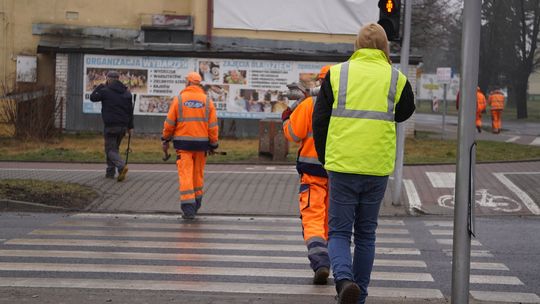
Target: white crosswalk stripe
(482, 271)
(512, 139)
(535, 142)
(259, 254)
(411, 293)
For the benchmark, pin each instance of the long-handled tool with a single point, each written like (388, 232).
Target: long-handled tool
(217, 153)
(167, 155)
(128, 150)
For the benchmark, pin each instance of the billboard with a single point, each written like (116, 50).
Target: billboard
(239, 88)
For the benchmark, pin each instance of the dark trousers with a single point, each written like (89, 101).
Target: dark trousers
(113, 138)
(354, 202)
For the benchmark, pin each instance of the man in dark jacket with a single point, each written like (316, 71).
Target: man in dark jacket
(117, 114)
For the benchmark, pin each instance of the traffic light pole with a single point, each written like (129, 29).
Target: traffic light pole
(465, 192)
(400, 127)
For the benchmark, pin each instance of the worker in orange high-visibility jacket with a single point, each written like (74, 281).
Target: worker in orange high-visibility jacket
(496, 102)
(192, 126)
(313, 194)
(480, 108)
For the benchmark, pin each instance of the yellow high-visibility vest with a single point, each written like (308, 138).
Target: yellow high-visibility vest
(362, 134)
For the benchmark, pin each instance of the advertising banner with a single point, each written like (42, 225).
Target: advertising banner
(239, 88)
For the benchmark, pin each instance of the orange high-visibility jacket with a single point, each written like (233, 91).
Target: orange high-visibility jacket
(480, 101)
(298, 128)
(496, 100)
(192, 124)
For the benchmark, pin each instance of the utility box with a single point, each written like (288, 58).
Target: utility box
(272, 141)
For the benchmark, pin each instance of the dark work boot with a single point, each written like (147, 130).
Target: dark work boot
(198, 201)
(188, 216)
(188, 211)
(320, 276)
(110, 172)
(348, 292)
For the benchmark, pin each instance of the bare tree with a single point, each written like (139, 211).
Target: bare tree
(433, 31)
(508, 47)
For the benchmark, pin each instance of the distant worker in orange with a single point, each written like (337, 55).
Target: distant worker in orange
(313, 194)
(480, 108)
(496, 102)
(192, 126)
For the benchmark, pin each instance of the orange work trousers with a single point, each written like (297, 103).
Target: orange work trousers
(190, 165)
(478, 119)
(313, 198)
(496, 122)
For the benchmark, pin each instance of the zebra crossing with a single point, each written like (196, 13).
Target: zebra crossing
(485, 274)
(233, 255)
(524, 140)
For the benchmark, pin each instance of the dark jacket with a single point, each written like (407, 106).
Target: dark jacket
(116, 104)
(323, 110)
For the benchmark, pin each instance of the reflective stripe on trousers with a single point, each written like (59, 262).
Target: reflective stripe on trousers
(190, 165)
(313, 204)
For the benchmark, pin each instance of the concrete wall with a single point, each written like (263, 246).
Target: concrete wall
(18, 16)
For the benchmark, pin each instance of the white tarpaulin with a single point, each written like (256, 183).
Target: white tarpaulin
(317, 16)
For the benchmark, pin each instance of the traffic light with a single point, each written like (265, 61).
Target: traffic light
(389, 18)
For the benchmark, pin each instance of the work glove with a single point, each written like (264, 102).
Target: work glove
(212, 148)
(165, 144)
(286, 114)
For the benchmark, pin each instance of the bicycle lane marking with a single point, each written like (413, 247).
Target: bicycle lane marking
(446, 180)
(523, 196)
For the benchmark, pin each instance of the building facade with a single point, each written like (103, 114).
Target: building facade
(246, 51)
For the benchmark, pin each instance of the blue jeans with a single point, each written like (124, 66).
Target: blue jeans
(354, 200)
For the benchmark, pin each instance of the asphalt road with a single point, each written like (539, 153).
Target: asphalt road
(102, 258)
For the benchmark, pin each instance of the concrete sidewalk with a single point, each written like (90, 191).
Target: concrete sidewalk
(272, 190)
(519, 132)
(229, 189)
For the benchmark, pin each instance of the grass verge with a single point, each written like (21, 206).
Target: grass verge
(88, 148)
(426, 150)
(57, 194)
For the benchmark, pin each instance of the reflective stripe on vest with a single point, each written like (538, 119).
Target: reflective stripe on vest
(181, 117)
(309, 160)
(190, 138)
(291, 133)
(170, 122)
(361, 133)
(341, 111)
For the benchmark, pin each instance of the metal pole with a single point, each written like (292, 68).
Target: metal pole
(444, 113)
(464, 192)
(400, 127)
